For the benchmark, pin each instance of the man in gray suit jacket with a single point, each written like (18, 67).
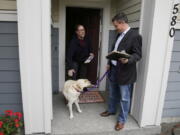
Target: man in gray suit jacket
(123, 73)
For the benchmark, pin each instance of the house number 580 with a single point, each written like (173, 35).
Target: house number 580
(173, 21)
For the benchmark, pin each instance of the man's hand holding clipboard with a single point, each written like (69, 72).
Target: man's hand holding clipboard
(120, 56)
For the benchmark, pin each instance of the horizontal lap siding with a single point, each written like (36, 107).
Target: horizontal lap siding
(172, 98)
(132, 8)
(8, 5)
(10, 90)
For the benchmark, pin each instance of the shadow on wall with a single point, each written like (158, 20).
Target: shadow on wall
(55, 59)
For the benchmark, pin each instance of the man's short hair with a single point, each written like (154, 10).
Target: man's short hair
(120, 17)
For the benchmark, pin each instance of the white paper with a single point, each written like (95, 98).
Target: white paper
(88, 60)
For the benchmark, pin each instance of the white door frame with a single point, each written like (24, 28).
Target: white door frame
(105, 6)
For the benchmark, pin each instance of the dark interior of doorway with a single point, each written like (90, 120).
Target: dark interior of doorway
(90, 18)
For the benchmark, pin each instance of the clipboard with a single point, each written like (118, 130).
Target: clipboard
(115, 55)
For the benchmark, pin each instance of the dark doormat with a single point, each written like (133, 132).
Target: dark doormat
(91, 97)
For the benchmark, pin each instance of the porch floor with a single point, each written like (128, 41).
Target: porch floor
(89, 121)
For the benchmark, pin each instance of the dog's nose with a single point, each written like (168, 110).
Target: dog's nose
(85, 89)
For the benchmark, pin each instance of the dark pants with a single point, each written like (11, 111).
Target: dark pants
(81, 71)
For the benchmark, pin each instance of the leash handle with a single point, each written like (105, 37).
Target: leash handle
(98, 81)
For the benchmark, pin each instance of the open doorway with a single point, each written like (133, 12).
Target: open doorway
(91, 19)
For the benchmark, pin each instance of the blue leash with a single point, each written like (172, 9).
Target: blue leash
(98, 82)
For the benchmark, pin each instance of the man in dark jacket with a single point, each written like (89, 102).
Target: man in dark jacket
(79, 50)
(123, 72)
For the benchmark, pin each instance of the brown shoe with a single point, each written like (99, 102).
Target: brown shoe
(106, 114)
(119, 126)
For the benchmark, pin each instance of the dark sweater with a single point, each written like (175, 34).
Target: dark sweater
(78, 51)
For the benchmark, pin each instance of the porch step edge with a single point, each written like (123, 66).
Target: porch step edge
(153, 130)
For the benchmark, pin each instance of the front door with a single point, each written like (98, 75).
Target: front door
(90, 18)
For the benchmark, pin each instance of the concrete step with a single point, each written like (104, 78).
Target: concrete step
(141, 131)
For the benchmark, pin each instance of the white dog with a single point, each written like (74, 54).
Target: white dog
(72, 90)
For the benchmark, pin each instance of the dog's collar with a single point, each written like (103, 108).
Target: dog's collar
(78, 90)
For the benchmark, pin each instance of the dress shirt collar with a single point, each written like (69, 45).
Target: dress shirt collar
(126, 30)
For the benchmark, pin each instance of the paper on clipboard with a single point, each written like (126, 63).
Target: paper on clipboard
(89, 59)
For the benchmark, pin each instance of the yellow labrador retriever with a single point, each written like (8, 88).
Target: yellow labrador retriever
(72, 90)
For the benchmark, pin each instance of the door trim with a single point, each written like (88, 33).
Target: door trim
(105, 6)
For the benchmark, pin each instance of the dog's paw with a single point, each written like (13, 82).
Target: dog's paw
(71, 117)
(80, 111)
